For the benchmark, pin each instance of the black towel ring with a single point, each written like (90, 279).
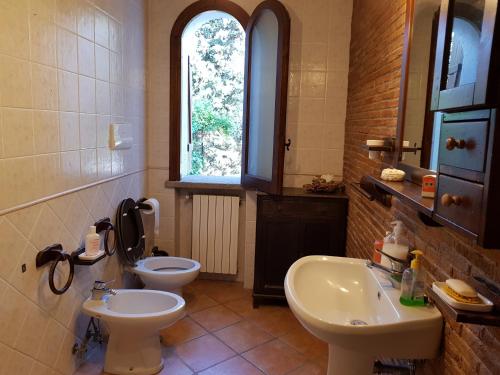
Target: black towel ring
(108, 230)
(52, 271)
(55, 254)
(104, 225)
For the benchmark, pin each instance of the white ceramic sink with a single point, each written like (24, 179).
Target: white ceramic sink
(357, 311)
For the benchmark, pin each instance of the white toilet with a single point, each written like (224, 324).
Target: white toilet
(134, 318)
(160, 273)
(166, 273)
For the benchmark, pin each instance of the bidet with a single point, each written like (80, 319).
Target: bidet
(134, 318)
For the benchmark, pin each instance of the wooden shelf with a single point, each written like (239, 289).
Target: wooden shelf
(411, 149)
(408, 192)
(379, 148)
(390, 148)
(461, 316)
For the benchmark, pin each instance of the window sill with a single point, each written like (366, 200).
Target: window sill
(206, 182)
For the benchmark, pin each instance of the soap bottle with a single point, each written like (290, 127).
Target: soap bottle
(396, 244)
(412, 283)
(92, 241)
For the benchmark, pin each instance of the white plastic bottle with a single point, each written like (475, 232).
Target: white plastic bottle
(92, 242)
(396, 244)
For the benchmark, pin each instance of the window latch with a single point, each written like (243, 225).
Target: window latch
(288, 144)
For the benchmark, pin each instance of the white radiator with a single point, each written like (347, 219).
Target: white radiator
(215, 233)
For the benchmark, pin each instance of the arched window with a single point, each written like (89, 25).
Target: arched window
(217, 54)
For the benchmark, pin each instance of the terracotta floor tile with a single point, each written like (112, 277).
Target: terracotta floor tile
(197, 302)
(241, 306)
(233, 366)
(275, 358)
(305, 343)
(215, 318)
(203, 352)
(174, 366)
(200, 286)
(263, 311)
(224, 292)
(243, 336)
(309, 369)
(276, 322)
(184, 330)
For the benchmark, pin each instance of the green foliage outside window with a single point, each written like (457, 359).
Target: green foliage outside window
(217, 98)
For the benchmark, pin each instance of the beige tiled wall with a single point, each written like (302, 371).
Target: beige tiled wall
(319, 63)
(67, 71)
(317, 88)
(68, 68)
(38, 327)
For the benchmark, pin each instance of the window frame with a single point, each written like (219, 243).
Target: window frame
(249, 181)
(180, 24)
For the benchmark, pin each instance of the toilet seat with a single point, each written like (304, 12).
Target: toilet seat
(157, 272)
(130, 232)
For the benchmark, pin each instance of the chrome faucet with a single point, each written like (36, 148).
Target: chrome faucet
(395, 271)
(100, 289)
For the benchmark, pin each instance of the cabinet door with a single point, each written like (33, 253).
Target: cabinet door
(276, 249)
(463, 57)
(322, 238)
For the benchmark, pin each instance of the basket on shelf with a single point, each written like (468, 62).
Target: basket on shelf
(324, 184)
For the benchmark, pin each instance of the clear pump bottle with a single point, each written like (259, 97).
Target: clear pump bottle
(412, 283)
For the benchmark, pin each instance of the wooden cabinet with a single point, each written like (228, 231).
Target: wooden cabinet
(465, 93)
(463, 145)
(466, 65)
(458, 125)
(460, 202)
(468, 194)
(289, 227)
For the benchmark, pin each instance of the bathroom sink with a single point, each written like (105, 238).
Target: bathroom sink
(356, 310)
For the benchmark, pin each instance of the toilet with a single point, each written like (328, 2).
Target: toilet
(159, 272)
(134, 318)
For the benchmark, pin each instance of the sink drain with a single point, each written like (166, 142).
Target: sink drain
(358, 322)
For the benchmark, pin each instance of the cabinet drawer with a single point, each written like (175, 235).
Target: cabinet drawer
(310, 208)
(463, 145)
(460, 202)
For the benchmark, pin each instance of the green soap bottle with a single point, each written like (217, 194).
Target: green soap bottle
(412, 283)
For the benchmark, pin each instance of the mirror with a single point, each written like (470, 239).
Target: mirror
(463, 53)
(419, 126)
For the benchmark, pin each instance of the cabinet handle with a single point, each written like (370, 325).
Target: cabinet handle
(448, 199)
(452, 143)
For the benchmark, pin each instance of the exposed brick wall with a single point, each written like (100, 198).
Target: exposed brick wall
(373, 94)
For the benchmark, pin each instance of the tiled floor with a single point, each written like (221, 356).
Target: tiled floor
(223, 335)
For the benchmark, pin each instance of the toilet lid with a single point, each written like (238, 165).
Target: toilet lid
(130, 231)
